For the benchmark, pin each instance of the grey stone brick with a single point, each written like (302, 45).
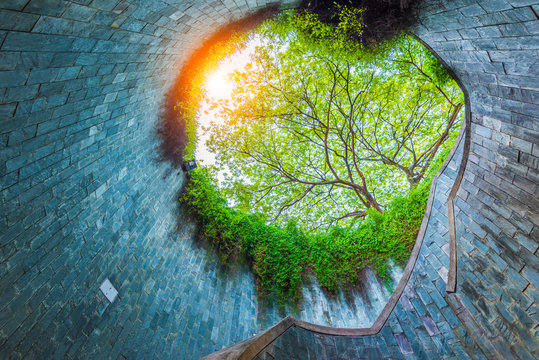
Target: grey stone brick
(9, 60)
(103, 4)
(13, 4)
(79, 12)
(491, 31)
(20, 41)
(520, 14)
(530, 274)
(472, 10)
(496, 6)
(83, 45)
(13, 78)
(69, 73)
(38, 76)
(403, 344)
(45, 7)
(13, 20)
(20, 93)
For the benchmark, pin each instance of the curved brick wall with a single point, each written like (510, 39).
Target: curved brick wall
(83, 195)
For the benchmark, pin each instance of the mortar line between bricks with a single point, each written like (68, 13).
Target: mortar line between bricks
(535, 12)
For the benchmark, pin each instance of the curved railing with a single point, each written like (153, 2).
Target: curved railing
(451, 285)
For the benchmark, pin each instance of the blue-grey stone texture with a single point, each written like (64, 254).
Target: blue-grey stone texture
(84, 195)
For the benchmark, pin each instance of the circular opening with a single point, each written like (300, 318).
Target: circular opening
(320, 151)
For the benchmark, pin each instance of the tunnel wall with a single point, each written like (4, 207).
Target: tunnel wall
(84, 195)
(492, 47)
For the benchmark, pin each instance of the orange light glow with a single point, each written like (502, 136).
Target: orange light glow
(218, 85)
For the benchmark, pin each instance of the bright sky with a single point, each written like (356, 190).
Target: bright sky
(218, 86)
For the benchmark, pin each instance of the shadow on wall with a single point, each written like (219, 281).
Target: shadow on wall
(383, 19)
(171, 127)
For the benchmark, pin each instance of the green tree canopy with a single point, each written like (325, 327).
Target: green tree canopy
(321, 130)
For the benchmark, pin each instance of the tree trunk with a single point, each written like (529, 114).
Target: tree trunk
(372, 202)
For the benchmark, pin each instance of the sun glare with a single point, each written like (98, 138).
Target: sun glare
(218, 85)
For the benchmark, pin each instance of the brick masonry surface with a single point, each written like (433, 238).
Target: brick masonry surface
(84, 197)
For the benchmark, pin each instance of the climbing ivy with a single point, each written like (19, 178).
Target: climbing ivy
(281, 256)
